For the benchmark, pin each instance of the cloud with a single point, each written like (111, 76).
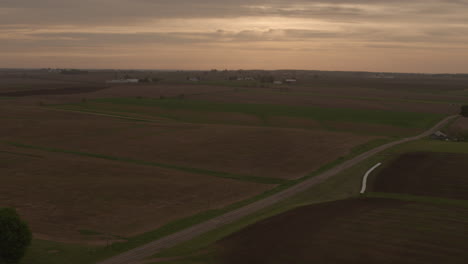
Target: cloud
(109, 12)
(94, 27)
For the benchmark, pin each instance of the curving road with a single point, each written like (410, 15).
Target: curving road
(140, 253)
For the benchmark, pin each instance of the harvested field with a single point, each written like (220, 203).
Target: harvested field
(18, 87)
(79, 199)
(374, 91)
(171, 115)
(427, 174)
(138, 90)
(354, 231)
(330, 100)
(255, 151)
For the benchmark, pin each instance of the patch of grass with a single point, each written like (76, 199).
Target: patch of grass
(21, 154)
(419, 199)
(48, 252)
(247, 178)
(264, 111)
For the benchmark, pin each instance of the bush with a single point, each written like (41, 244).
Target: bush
(15, 236)
(464, 110)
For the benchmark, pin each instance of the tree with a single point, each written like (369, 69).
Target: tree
(464, 110)
(15, 236)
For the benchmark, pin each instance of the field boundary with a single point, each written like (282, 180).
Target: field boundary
(104, 114)
(226, 175)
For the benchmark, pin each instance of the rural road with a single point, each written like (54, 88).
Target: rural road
(364, 180)
(140, 253)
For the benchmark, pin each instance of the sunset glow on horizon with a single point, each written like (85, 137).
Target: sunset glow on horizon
(396, 36)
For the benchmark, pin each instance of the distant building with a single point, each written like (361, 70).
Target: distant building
(123, 81)
(290, 80)
(382, 76)
(439, 135)
(193, 79)
(278, 82)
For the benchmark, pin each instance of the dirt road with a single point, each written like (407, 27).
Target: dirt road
(137, 254)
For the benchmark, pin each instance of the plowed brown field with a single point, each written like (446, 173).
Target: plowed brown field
(426, 173)
(59, 195)
(256, 151)
(354, 231)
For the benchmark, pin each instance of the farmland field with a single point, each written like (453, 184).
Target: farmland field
(401, 228)
(61, 195)
(97, 169)
(426, 174)
(366, 230)
(254, 151)
(378, 122)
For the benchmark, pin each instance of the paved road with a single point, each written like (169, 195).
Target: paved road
(364, 179)
(140, 253)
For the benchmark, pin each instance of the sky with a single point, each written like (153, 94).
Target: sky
(350, 35)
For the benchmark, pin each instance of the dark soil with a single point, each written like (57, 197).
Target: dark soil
(426, 173)
(354, 231)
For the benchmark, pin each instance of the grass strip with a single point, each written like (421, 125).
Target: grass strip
(21, 154)
(247, 178)
(262, 111)
(417, 198)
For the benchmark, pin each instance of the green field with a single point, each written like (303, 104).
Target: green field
(262, 111)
